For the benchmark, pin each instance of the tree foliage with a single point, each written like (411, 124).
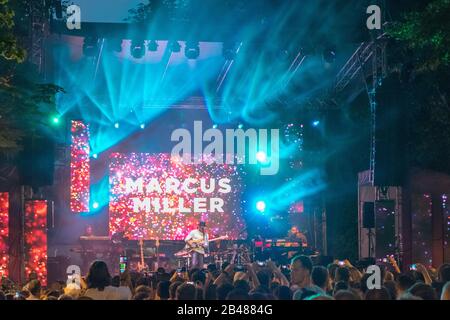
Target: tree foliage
(429, 143)
(426, 34)
(421, 55)
(25, 102)
(9, 46)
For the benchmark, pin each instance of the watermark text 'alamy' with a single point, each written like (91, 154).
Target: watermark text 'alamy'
(228, 147)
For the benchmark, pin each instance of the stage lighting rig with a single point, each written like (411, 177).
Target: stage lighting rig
(261, 206)
(137, 49)
(174, 46)
(55, 120)
(152, 46)
(192, 50)
(90, 47)
(261, 157)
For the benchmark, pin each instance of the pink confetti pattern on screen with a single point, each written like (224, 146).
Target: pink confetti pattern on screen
(173, 225)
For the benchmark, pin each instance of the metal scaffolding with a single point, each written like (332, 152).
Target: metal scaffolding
(368, 66)
(39, 31)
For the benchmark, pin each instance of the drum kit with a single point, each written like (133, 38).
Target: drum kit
(234, 253)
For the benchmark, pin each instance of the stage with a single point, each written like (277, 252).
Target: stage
(120, 137)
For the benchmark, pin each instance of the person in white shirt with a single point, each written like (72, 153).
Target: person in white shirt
(99, 284)
(107, 293)
(196, 242)
(123, 285)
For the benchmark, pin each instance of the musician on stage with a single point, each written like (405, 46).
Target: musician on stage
(295, 235)
(89, 232)
(196, 242)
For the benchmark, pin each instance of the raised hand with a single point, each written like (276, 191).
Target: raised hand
(229, 268)
(271, 265)
(421, 268)
(347, 263)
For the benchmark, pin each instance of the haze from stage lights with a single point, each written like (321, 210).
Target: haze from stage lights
(258, 141)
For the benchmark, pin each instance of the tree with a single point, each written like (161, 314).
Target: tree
(422, 57)
(25, 102)
(9, 47)
(426, 35)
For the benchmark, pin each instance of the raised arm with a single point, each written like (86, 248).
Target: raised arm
(227, 272)
(355, 274)
(277, 272)
(423, 270)
(394, 264)
(252, 275)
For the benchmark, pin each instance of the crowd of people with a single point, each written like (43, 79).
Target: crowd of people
(253, 281)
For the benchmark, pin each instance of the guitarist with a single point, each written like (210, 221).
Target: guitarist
(196, 242)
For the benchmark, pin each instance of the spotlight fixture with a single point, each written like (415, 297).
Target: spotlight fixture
(261, 157)
(174, 46)
(142, 126)
(152, 46)
(261, 206)
(192, 50)
(55, 120)
(116, 125)
(95, 205)
(137, 49)
(215, 126)
(240, 126)
(95, 156)
(316, 123)
(90, 46)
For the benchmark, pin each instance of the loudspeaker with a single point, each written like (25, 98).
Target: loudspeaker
(37, 162)
(390, 133)
(368, 215)
(56, 269)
